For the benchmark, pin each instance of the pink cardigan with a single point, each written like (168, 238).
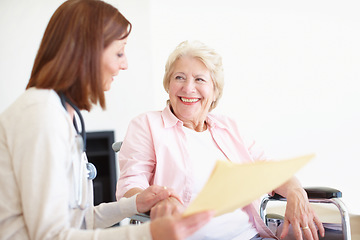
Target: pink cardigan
(154, 152)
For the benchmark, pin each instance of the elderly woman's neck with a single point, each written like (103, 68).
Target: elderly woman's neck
(198, 127)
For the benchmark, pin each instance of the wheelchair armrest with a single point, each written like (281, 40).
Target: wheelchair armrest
(316, 193)
(323, 192)
(140, 218)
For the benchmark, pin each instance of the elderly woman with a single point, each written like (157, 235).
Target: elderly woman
(178, 147)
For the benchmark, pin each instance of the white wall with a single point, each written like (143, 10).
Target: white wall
(291, 72)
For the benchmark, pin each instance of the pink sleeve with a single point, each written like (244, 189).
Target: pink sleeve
(136, 157)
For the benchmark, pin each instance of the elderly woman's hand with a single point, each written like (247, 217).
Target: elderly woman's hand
(301, 216)
(167, 207)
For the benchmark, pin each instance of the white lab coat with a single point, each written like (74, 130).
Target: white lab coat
(37, 147)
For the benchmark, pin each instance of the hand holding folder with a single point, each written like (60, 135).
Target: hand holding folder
(234, 185)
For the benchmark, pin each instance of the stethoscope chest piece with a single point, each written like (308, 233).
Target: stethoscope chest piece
(90, 168)
(91, 171)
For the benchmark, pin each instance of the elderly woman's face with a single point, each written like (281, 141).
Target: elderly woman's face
(191, 90)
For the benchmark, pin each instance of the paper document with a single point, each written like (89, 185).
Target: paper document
(235, 185)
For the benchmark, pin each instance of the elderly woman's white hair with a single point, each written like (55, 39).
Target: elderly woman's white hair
(211, 59)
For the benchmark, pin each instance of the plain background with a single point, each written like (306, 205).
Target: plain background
(291, 72)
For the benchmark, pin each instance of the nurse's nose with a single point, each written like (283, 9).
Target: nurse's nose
(124, 63)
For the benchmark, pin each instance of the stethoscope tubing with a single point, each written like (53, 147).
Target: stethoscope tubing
(81, 141)
(65, 100)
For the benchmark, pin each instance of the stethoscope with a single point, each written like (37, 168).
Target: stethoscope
(78, 167)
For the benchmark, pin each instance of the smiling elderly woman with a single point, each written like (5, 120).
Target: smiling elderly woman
(178, 148)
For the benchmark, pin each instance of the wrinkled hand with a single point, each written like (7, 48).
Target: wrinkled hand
(176, 227)
(167, 207)
(301, 216)
(151, 196)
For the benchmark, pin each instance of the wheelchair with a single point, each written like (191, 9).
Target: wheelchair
(316, 195)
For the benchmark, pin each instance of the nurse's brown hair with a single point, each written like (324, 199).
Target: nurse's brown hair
(69, 56)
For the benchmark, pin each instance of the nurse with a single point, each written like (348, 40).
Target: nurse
(45, 192)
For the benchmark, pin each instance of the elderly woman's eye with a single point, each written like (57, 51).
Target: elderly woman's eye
(179, 77)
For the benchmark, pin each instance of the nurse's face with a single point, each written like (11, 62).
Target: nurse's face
(113, 60)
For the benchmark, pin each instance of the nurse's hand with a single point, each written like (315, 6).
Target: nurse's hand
(177, 227)
(149, 197)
